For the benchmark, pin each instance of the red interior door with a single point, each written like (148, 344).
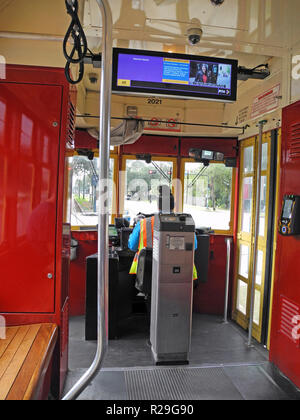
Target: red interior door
(285, 339)
(29, 151)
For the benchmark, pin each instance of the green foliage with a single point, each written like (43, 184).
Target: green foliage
(139, 170)
(214, 186)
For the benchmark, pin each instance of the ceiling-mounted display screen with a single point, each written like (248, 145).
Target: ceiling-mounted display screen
(152, 73)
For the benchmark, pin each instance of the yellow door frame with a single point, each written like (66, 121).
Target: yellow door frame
(279, 140)
(247, 238)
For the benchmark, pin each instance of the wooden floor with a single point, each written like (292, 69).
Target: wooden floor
(25, 354)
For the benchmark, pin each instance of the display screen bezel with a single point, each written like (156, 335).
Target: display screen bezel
(146, 91)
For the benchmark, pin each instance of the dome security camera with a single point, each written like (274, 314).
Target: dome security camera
(217, 2)
(93, 78)
(194, 35)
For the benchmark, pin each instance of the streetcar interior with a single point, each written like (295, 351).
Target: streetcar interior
(218, 126)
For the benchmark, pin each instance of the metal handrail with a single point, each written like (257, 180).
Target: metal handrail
(228, 243)
(104, 150)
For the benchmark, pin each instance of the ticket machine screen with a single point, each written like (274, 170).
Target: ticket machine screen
(287, 209)
(289, 224)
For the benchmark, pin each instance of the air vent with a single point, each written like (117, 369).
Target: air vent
(70, 141)
(294, 142)
(290, 319)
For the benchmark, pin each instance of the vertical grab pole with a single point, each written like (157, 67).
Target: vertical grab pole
(104, 150)
(256, 231)
(228, 243)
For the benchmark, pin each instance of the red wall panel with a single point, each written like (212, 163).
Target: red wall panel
(83, 140)
(284, 349)
(155, 145)
(87, 245)
(34, 270)
(227, 146)
(209, 298)
(29, 147)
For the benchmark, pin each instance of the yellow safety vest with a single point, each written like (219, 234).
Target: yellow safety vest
(146, 242)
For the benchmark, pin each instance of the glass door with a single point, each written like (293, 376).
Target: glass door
(246, 230)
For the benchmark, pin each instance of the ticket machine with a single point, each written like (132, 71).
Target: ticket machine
(172, 288)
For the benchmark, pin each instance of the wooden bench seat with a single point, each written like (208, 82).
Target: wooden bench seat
(25, 355)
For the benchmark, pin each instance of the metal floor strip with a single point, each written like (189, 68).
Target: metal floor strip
(180, 384)
(202, 366)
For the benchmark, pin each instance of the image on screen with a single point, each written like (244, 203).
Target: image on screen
(206, 154)
(112, 231)
(170, 75)
(287, 210)
(213, 75)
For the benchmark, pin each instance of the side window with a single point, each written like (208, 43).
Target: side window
(141, 185)
(85, 192)
(208, 195)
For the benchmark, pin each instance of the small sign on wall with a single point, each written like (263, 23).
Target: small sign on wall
(242, 115)
(162, 124)
(266, 102)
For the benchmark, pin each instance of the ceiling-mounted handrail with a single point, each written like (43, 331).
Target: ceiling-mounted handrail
(225, 126)
(104, 150)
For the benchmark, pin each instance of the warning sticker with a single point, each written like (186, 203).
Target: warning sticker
(162, 124)
(177, 243)
(266, 102)
(242, 115)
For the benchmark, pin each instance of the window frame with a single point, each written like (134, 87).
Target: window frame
(122, 178)
(229, 231)
(114, 156)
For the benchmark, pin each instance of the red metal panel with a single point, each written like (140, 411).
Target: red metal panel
(87, 245)
(32, 172)
(29, 145)
(37, 75)
(209, 297)
(83, 140)
(224, 145)
(284, 350)
(173, 146)
(155, 145)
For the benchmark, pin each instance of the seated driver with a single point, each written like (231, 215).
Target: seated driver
(142, 235)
